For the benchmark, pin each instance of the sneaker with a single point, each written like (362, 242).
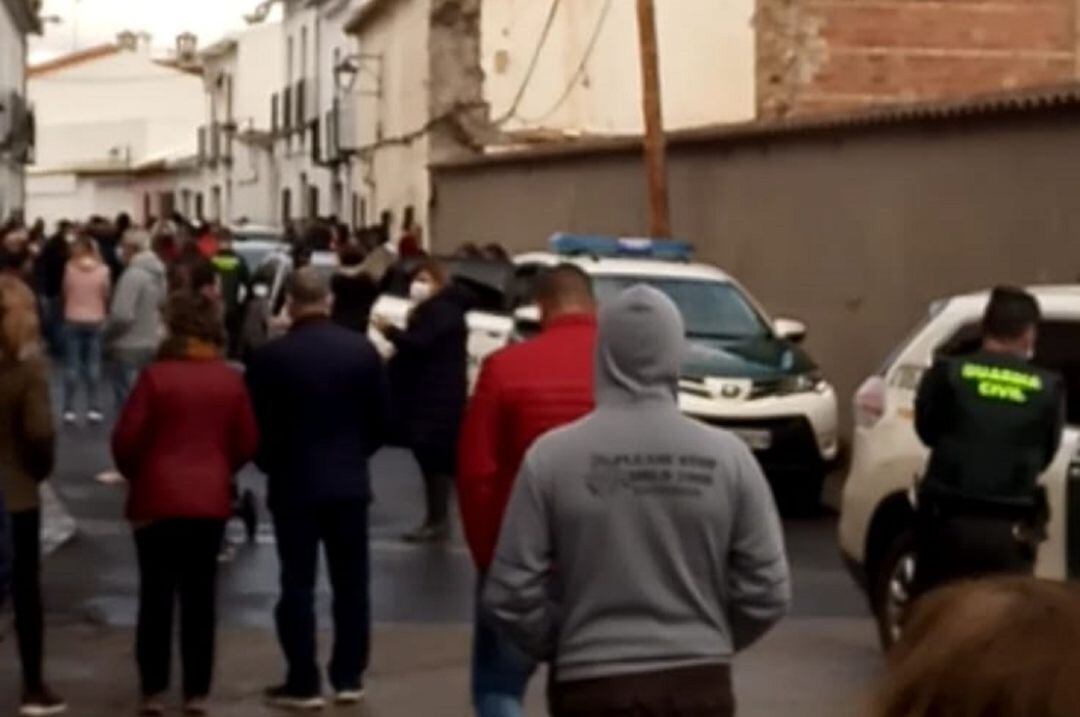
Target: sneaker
(70, 418)
(428, 533)
(151, 707)
(42, 703)
(289, 699)
(109, 478)
(95, 417)
(196, 706)
(349, 697)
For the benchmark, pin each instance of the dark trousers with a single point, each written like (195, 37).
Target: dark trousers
(956, 546)
(342, 528)
(684, 692)
(177, 559)
(26, 595)
(437, 482)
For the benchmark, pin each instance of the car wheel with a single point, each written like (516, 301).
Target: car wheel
(893, 587)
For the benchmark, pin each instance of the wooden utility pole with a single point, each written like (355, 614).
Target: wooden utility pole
(655, 142)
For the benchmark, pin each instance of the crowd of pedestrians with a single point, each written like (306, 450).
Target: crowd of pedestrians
(632, 549)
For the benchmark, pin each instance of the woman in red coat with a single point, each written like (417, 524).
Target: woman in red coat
(186, 430)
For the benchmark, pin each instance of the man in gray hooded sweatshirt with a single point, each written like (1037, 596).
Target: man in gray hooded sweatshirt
(135, 329)
(641, 549)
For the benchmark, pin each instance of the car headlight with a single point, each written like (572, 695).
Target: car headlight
(811, 382)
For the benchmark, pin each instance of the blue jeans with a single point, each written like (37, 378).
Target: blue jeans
(126, 367)
(500, 673)
(82, 361)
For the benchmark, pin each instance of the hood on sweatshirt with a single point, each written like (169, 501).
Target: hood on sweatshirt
(149, 262)
(640, 348)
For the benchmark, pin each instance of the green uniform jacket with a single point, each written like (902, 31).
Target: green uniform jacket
(993, 423)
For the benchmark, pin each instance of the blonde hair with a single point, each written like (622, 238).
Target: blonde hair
(1007, 647)
(20, 333)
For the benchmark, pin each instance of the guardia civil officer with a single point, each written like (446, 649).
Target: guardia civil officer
(993, 422)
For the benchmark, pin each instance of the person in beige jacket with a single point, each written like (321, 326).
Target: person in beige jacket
(27, 452)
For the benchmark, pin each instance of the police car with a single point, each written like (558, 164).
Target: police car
(744, 371)
(876, 518)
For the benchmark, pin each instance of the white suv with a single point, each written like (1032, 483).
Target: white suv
(744, 371)
(876, 517)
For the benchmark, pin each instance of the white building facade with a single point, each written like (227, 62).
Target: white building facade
(18, 18)
(314, 175)
(534, 75)
(235, 178)
(106, 117)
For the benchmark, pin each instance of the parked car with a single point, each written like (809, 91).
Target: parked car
(744, 372)
(255, 252)
(490, 322)
(877, 514)
(245, 232)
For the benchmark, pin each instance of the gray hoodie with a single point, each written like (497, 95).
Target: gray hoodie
(638, 540)
(135, 323)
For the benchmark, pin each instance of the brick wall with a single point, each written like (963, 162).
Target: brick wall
(832, 55)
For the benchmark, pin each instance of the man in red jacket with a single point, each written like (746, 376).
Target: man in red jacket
(523, 392)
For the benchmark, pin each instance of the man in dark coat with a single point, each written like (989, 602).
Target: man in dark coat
(320, 399)
(429, 382)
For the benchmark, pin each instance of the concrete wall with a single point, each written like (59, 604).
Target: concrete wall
(815, 55)
(706, 51)
(854, 233)
(12, 67)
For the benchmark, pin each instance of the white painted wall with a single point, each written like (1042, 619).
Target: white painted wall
(121, 109)
(248, 187)
(12, 66)
(395, 176)
(124, 100)
(53, 197)
(706, 55)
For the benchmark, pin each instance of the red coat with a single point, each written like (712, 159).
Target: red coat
(186, 430)
(523, 392)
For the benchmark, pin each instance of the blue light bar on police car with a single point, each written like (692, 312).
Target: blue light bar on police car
(606, 246)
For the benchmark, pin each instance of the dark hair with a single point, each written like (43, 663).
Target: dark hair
(495, 252)
(435, 268)
(201, 275)
(1010, 313)
(468, 250)
(194, 316)
(565, 281)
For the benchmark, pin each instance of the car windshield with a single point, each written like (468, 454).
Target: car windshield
(711, 309)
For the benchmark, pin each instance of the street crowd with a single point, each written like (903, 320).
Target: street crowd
(632, 549)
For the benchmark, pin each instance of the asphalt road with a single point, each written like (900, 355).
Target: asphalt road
(820, 661)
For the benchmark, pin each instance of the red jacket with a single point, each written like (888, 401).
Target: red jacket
(186, 430)
(523, 392)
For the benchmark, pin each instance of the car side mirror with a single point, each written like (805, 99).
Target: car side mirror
(791, 329)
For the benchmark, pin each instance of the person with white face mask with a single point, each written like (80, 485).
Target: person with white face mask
(429, 387)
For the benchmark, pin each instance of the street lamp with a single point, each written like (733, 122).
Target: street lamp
(351, 67)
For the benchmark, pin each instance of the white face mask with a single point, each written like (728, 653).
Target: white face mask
(420, 291)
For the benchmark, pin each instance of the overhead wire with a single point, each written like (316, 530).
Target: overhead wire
(578, 73)
(549, 23)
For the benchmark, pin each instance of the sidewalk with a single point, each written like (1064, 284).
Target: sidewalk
(418, 671)
(821, 667)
